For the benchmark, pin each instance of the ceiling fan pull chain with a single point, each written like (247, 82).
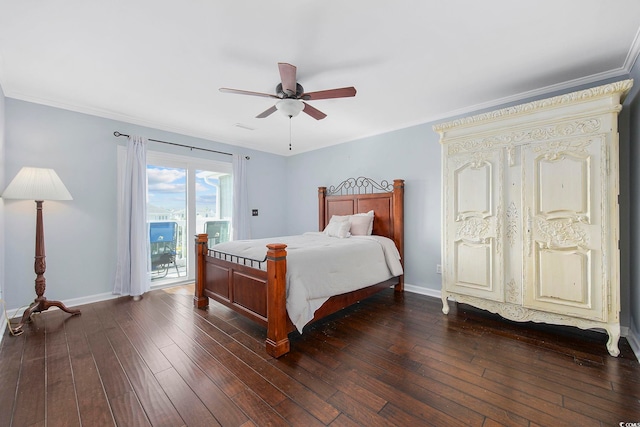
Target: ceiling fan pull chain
(289, 133)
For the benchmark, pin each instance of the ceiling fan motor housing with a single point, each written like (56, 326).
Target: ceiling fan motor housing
(282, 94)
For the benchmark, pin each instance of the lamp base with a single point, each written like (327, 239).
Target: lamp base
(42, 304)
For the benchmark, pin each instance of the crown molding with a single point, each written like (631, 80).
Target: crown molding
(622, 87)
(634, 52)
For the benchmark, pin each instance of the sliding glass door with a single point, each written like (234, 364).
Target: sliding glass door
(186, 196)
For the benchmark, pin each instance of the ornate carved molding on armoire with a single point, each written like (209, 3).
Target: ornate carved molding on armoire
(530, 210)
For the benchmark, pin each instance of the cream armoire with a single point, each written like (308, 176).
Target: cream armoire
(530, 210)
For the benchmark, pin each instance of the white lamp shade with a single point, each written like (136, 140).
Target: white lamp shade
(290, 107)
(36, 184)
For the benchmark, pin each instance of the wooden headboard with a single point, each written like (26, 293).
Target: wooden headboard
(360, 195)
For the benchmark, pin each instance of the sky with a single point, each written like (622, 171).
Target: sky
(167, 188)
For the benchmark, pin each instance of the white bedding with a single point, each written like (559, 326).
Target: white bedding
(319, 266)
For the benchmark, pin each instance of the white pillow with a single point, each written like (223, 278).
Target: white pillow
(338, 227)
(361, 224)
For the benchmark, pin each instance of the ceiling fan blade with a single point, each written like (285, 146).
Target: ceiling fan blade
(288, 78)
(313, 112)
(343, 92)
(266, 112)
(246, 92)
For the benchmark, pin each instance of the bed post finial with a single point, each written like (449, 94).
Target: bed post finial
(199, 299)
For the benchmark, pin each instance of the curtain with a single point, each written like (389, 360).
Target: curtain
(240, 215)
(132, 277)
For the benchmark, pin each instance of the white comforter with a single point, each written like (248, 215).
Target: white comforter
(319, 266)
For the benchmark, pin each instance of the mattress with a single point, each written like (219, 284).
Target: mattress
(319, 266)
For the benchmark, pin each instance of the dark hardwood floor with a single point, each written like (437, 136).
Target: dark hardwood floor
(393, 359)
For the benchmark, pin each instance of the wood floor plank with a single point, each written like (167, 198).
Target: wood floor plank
(11, 351)
(295, 391)
(93, 404)
(218, 403)
(191, 409)
(127, 411)
(562, 384)
(397, 417)
(361, 414)
(612, 415)
(215, 370)
(344, 421)
(308, 372)
(393, 359)
(528, 407)
(149, 327)
(31, 393)
(152, 397)
(146, 347)
(421, 403)
(206, 335)
(114, 379)
(297, 415)
(62, 404)
(258, 410)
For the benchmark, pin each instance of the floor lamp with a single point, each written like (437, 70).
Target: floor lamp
(38, 184)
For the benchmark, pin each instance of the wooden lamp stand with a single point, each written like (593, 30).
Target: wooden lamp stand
(38, 184)
(41, 303)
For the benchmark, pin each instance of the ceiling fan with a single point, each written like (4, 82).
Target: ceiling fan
(292, 97)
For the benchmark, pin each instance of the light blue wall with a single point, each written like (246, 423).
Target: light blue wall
(632, 106)
(80, 235)
(412, 154)
(2, 184)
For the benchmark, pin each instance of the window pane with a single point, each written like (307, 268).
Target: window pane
(166, 214)
(213, 205)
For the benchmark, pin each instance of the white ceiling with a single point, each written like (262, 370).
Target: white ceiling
(160, 63)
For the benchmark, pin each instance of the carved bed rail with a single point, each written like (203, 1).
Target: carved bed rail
(255, 263)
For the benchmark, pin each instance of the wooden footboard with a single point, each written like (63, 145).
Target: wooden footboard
(257, 294)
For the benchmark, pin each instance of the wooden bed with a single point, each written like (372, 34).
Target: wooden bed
(260, 295)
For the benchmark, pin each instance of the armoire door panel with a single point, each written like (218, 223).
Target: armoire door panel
(563, 197)
(473, 189)
(474, 265)
(561, 186)
(564, 283)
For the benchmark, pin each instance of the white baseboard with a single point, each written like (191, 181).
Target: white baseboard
(17, 312)
(422, 290)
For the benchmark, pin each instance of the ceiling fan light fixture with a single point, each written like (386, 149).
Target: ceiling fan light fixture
(290, 107)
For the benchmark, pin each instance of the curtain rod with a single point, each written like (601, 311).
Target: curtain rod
(118, 134)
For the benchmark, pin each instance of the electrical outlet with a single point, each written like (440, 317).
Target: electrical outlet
(254, 212)
(438, 269)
